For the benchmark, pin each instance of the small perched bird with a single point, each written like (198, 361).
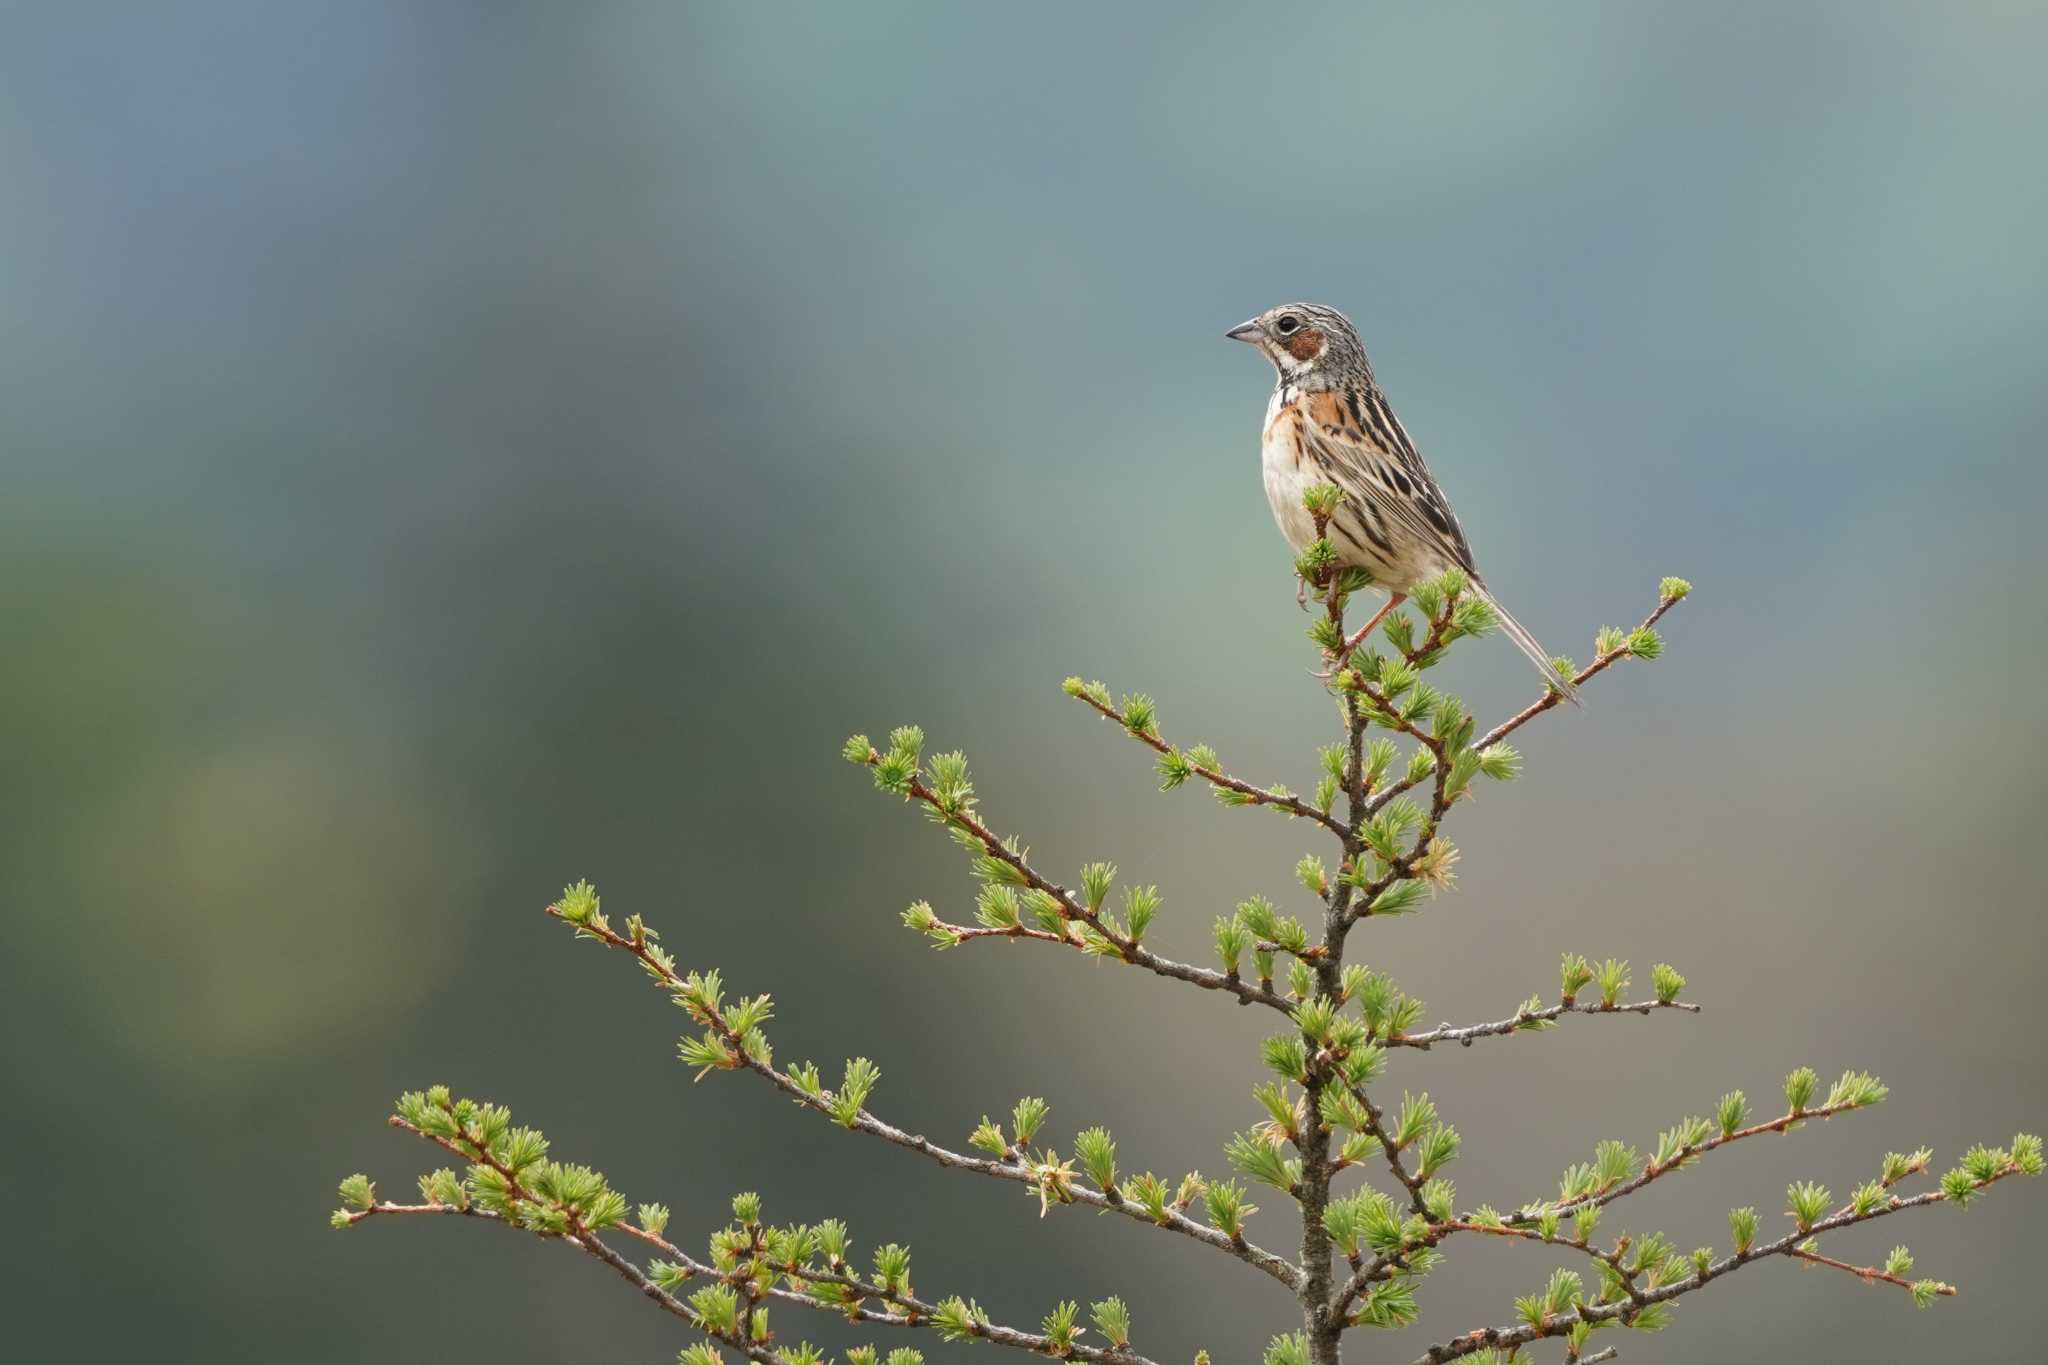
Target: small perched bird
(1329, 422)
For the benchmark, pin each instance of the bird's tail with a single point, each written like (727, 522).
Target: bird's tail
(1527, 643)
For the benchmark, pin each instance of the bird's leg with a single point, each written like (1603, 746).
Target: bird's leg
(1301, 592)
(1351, 643)
(1354, 641)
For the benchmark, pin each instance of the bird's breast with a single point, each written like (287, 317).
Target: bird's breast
(1288, 473)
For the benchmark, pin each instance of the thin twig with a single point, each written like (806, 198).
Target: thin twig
(1253, 796)
(1682, 1158)
(1613, 1260)
(1520, 1022)
(922, 1311)
(1869, 1274)
(1549, 701)
(1376, 1124)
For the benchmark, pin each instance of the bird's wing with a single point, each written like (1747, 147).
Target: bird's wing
(1359, 443)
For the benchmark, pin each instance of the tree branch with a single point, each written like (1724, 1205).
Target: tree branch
(1149, 736)
(921, 1314)
(1010, 1169)
(1392, 856)
(1596, 1313)
(579, 1235)
(1128, 948)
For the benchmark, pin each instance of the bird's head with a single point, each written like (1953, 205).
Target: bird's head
(1307, 343)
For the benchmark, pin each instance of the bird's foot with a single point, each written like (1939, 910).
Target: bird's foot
(1360, 636)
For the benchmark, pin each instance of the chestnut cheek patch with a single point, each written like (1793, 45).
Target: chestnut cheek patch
(1305, 345)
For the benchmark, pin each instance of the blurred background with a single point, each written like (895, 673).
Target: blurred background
(455, 449)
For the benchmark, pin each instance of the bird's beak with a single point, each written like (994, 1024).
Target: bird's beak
(1246, 331)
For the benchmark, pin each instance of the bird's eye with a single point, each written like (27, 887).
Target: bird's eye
(1287, 324)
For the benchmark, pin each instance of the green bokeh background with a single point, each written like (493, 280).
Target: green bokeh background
(454, 449)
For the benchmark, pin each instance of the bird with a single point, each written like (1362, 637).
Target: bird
(1329, 421)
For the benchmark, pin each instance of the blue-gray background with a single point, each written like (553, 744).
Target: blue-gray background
(453, 449)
